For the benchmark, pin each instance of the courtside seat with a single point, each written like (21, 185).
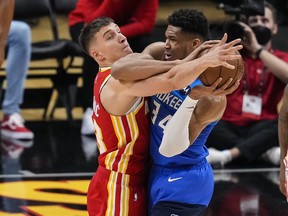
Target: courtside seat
(60, 50)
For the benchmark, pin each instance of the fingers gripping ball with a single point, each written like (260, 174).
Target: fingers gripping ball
(211, 74)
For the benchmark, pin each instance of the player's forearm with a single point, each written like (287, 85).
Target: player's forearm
(283, 132)
(139, 66)
(209, 109)
(183, 74)
(283, 140)
(176, 133)
(283, 125)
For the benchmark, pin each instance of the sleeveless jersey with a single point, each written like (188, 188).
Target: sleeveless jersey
(186, 178)
(123, 141)
(162, 108)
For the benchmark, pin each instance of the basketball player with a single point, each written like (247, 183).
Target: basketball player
(6, 15)
(120, 115)
(283, 141)
(181, 180)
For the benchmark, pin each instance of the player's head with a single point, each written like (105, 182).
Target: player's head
(103, 41)
(264, 26)
(187, 29)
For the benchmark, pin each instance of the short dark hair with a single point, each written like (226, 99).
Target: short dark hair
(88, 32)
(190, 21)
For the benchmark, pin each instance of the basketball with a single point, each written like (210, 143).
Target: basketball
(211, 74)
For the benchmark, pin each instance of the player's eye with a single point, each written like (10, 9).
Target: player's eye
(110, 37)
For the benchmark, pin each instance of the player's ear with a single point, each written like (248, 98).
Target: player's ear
(93, 53)
(96, 55)
(195, 43)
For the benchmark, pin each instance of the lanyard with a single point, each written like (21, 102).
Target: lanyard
(261, 84)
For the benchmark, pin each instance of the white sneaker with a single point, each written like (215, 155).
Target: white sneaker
(218, 157)
(87, 127)
(272, 155)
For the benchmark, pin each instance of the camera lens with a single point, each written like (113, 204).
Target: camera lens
(234, 31)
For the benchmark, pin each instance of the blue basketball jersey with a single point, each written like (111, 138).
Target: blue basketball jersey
(184, 178)
(162, 107)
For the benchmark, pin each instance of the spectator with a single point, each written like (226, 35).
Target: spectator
(248, 128)
(136, 19)
(18, 58)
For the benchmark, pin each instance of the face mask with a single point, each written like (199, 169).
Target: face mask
(263, 34)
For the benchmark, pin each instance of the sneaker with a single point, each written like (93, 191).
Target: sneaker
(218, 157)
(13, 126)
(87, 127)
(272, 155)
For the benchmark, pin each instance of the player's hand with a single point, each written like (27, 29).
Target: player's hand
(214, 90)
(195, 54)
(221, 52)
(225, 89)
(282, 179)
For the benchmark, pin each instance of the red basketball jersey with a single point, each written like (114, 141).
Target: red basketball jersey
(123, 141)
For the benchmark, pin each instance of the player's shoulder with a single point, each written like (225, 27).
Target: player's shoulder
(156, 50)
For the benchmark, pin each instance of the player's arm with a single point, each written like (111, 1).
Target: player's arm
(183, 74)
(6, 15)
(283, 138)
(138, 66)
(149, 63)
(190, 119)
(208, 110)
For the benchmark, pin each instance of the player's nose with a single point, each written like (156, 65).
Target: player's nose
(121, 38)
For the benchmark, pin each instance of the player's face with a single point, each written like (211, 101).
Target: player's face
(178, 43)
(109, 45)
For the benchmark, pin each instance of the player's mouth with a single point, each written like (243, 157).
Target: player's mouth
(168, 56)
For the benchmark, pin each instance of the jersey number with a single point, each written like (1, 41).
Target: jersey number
(154, 115)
